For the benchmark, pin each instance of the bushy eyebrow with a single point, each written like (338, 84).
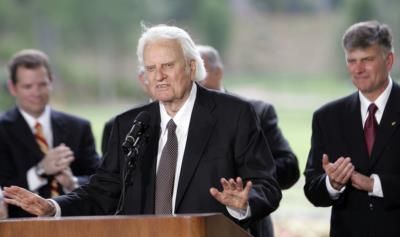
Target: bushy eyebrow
(163, 65)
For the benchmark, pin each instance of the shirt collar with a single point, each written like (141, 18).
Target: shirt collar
(182, 117)
(380, 102)
(43, 119)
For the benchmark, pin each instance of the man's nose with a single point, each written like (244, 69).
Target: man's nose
(36, 90)
(359, 67)
(160, 75)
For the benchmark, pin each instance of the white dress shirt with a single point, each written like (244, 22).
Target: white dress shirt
(34, 181)
(3, 206)
(182, 121)
(380, 102)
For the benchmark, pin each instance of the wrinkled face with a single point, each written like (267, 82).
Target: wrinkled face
(369, 69)
(169, 75)
(212, 80)
(31, 89)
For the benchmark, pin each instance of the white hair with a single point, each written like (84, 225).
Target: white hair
(175, 33)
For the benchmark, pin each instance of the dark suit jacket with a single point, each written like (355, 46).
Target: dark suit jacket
(223, 141)
(106, 135)
(337, 131)
(19, 151)
(287, 167)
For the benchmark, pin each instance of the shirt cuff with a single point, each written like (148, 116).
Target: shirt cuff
(377, 189)
(34, 181)
(3, 206)
(333, 193)
(76, 185)
(58, 208)
(239, 214)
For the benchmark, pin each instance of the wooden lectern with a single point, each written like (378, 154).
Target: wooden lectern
(203, 225)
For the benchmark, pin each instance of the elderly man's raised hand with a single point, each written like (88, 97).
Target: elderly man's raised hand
(234, 193)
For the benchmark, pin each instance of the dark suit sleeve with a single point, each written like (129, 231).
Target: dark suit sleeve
(9, 174)
(390, 187)
(106, 135)
(86, 158)
(315, 187)
(254, 162)
(100, 195)
(287, 167)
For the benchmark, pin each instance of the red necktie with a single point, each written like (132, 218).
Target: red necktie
(44, 147)
(370, 127)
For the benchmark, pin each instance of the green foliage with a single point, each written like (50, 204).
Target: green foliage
(72, 23)
(181, 10)
(287, 5)
(76, 35)
(362, 10)
(6, 100)
(213, 21)
(209, 20)
(89, 42)
(324, 85)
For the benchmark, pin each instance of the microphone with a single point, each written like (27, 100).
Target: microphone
(134, 142)
(135, 135)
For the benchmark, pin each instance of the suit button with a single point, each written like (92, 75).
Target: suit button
(371, 206)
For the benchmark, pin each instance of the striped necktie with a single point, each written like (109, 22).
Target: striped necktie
(44, 147)
(40, 139)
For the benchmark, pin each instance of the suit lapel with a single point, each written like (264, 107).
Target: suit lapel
(200, 129)
(149, 161)
(388, 125)
(355, 133)
(21, 131)
(58, 126)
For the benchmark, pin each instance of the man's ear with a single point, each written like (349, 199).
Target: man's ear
(219, 73)
(389, 61)
(193, 65)
(51, 78)
(192, 68)
(11, 88)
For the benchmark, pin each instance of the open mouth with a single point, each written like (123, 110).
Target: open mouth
(162, 86)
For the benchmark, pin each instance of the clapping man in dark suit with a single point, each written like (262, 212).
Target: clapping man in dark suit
(220, 161)
(287, 167)
(43, 150)
(354, 164)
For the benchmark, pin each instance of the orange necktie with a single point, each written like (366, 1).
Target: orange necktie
(44, 147)
(40, 139)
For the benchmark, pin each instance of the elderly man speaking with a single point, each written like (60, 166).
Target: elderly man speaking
(205, 152)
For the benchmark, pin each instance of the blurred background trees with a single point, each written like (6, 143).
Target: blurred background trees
(92, 43)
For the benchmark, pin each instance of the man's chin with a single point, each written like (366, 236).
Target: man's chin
(163, 97)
